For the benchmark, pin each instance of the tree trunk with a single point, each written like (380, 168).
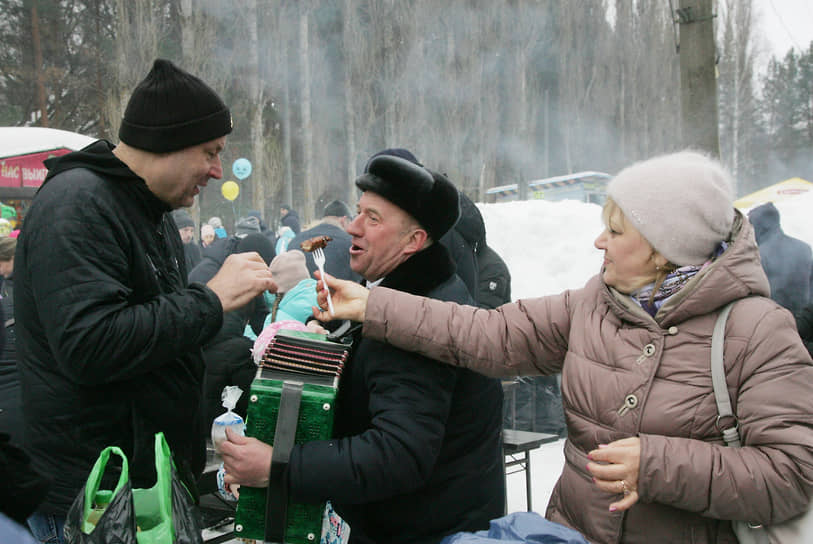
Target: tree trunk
(305, 115)
(256, 100)
(697, 76)
(39, 69)
(285, 109)
(349, 110)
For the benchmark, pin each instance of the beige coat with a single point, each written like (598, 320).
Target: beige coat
(608, 350)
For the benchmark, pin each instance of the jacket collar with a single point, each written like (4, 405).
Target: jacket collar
(422, 272)
(98, 157)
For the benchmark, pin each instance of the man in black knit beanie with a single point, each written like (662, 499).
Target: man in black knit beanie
(109, 331)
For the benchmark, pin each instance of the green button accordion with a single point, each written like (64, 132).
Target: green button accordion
(291, 401)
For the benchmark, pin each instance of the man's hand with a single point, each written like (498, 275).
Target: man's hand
(349, 299)
(242, 277)
(247, 460)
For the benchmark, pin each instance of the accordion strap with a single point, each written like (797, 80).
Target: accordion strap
(276, 504)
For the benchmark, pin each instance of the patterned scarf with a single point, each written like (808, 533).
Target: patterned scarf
(673, 283)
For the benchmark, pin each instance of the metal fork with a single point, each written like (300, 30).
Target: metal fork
(319, 259)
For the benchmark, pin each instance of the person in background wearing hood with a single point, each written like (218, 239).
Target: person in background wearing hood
(645, 459)
(417, 453)
(186, 229)
(109, 332)
(289, 218)
(335, 218)
(787, 261)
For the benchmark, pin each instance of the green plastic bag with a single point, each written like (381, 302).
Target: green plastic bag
(161, 514)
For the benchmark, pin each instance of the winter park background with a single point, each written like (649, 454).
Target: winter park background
(548, 247)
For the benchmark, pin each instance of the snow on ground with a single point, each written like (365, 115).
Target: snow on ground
(548, 247)
(22, 140)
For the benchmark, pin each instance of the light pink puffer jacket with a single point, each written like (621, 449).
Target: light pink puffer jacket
(608, 350)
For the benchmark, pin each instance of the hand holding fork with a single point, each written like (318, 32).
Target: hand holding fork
(319, 259)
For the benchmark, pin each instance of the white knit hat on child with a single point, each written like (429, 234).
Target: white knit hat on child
(682, 203)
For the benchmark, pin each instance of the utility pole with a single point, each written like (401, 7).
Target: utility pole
(698, 82)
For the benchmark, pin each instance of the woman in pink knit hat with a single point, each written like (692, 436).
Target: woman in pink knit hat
(645, 459)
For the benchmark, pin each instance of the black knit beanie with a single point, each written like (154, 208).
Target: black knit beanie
(427, 196)
(257, 242)
(182, 219)
(171, 109)
(337, 208)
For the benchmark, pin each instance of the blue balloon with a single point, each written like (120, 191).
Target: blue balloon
(241, 168)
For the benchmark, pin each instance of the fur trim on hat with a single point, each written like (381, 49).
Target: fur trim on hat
(682, 203)
(427, 196)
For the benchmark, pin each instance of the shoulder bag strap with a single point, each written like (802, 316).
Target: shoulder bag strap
(731, 435)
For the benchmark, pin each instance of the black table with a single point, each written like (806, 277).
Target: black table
(517, 445)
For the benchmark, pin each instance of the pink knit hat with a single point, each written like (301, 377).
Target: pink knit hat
(682, 203)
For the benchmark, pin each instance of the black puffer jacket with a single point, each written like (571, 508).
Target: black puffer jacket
(463, 241)
(108, 332)
(418, 450)
(495, 279)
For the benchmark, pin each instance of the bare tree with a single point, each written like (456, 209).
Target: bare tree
(737, 102)
(305, 111)
(138, 29)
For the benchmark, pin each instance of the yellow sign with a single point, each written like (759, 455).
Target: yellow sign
(779, 191)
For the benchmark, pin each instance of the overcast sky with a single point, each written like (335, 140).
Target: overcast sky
(785, 24)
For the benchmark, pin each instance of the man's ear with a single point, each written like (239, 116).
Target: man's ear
(416, 241)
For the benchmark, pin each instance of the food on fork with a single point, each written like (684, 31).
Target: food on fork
(312, 244)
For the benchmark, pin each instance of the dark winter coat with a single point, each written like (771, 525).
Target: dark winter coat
(291, 220)
(337, 251)
(494, 278)
(212, 258)
(192, 254)
(787, 261)
(463, 241)
(108, 331)
(417, 453)
(11, 413)
(23, 488)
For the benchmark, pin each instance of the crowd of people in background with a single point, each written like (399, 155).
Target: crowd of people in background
(111, 335)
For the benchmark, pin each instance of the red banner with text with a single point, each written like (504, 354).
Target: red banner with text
(26, 170)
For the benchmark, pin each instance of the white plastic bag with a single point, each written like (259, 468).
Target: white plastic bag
(228, 419)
